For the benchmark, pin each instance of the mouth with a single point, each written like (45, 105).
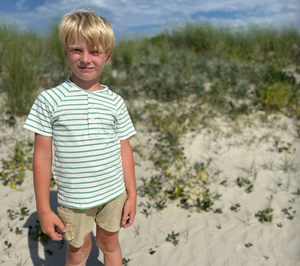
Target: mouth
(85, 68)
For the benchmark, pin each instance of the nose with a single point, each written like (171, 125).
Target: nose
(85, 57)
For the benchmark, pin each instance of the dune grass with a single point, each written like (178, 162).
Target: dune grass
(20, 57)
(243, 67)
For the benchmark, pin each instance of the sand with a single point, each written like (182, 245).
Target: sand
(230, 238)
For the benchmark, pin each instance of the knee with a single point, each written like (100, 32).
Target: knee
(78, 256)
(108, 246)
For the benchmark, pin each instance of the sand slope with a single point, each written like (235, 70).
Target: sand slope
(204, 238)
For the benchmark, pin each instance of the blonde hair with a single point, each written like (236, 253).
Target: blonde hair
(87, 24)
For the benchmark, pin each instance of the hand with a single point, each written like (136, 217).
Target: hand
(129, 212)
(48, 222)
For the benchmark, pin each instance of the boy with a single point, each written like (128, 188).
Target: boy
(93, 161)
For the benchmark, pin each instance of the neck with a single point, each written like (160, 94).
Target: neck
(90, 86)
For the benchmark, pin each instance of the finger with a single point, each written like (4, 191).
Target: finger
(56, 236)
(60, 226)
(53, 234)
(125, 217)
(130, 220)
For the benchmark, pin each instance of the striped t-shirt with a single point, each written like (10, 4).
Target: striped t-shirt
(86, 128)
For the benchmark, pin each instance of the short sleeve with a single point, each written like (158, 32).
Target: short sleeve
(39, 118)
(124, 126)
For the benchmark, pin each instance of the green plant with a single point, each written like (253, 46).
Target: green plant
(205, 201)
(241, 182)
(173, 238)
(288, 165)
(52, 181)
(177, 179)
(21, 60)
(151, 251)
(276, 96)
(282, 146)
(236, 207)
(7, 244)
(13, 170)
(146, 210)
(151, 188)
(18, 231)
(269, 163)
(286, 211)
(297, 192)
(265, 216)
(13, 214)
(224, 183)
(218, 210)
(7, 247)
(125, 261)
(161, 204)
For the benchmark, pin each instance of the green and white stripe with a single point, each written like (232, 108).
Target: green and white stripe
(86, 129)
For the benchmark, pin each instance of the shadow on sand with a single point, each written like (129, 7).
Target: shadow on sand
(54, 252)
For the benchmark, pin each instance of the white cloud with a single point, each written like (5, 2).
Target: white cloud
(134, 13)
(20, 5)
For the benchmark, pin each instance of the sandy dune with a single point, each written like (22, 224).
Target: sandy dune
(233, 237)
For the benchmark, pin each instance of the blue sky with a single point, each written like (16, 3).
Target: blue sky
(131, 17)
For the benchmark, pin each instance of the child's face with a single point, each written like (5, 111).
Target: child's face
(86, 65)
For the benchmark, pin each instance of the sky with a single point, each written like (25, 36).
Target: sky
(148, 17)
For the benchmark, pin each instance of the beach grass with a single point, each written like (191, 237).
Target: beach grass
(20, 58)
(239, 64)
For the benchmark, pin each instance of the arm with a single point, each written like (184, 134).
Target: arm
(129, 177)
(42, 160)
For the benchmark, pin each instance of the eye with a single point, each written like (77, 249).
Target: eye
(94, 53)
(76, 51)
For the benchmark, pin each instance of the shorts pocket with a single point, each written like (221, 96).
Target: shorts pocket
(65, 217)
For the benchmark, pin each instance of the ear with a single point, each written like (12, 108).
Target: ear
(107, 58)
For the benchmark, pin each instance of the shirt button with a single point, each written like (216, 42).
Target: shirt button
(92, 118)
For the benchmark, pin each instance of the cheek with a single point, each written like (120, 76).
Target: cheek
(71, 59)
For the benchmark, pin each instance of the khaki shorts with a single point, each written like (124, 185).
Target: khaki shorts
(79, 223)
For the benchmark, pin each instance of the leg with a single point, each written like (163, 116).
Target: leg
(108, 242)
(79, 256)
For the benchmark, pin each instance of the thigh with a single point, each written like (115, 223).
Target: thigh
(79, 223)
(86, 245)
(109, 216)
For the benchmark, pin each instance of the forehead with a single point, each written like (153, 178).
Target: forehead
(82, 42)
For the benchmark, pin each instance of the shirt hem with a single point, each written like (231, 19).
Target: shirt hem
(93, 206)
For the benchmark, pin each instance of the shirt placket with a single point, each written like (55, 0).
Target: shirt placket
(91, 116)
